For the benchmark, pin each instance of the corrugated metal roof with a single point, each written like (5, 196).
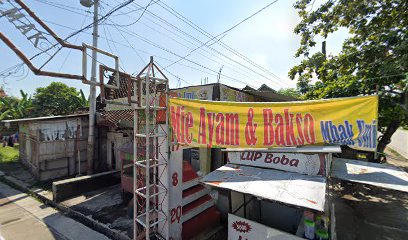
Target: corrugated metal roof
(271, 96)
(375, 174)
(44, 118)
(285, 187)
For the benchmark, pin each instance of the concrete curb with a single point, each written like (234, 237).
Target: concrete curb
(87, 221)
(72, 187)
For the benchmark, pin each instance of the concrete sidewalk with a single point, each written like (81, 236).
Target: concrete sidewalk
(22, 217)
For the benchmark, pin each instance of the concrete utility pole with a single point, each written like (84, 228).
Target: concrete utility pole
(92, 94)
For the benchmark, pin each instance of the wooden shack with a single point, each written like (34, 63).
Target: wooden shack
(52, 147)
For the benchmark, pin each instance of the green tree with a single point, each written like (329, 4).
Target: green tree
(82, 100)
(291, 92)
(374, 58)
(13, 108)
(56, 99)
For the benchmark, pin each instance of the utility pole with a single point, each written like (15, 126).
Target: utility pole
(92, 94)
(219, 74)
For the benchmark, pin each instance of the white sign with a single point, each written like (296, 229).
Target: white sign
(244, 229)
(172, 177)
(310, 164)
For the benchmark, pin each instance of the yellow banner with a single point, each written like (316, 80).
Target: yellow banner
(341, 121)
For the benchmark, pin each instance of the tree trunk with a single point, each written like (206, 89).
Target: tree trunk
(386, 138)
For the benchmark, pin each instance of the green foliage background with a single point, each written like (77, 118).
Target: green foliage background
(55, 99)
(373, 60)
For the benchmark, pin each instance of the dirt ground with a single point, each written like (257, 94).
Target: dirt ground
(368, 212)
(104, 205)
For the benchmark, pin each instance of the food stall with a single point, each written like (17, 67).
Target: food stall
(284, 192)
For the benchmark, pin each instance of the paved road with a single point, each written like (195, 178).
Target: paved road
(22, 218)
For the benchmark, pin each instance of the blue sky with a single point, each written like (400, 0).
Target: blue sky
(267, 39)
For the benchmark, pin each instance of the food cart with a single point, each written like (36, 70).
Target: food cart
(284, 192)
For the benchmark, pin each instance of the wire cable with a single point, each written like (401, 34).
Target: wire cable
(205, 33)
(177, 55)
(118, 7)
(223, 55)
(141, 15)
(224, 32)
(156, 17)
(70, 50)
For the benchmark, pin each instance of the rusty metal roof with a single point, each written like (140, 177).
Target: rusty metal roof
(380, 175)
(298, 149)
(289, 188)
(44, 118)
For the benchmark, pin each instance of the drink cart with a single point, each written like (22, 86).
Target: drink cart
(278, 193)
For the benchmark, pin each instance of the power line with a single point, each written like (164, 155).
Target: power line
(129, 46)
(236, 68)
(140, 57)
(192, 37)
(156, 17)
(117, 50)
(205, 33)
(133, 48)
(224, 32)
(220, 53)
(118, 7)
(175, 54)
(184, 45)
(70, 50)
(141, 15)
(65, 7)
(177, 77)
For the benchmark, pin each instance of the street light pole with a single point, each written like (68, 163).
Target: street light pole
(92, 94)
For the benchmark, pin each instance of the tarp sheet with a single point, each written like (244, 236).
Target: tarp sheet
(375, 174)
(285, 187)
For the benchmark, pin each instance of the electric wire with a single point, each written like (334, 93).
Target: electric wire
(177, 77)
(131, 47)
(65, 7)
(156, 17)
(205, 33)
(139, 19)
(224, 32)
(208, 46)
(118, 7)
(201, 66)
(75, 40)
(117, 50)
(131, 33)
(184, 45)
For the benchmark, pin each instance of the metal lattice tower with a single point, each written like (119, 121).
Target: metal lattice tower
(151, 151)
